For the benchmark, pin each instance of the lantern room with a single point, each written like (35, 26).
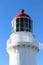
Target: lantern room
(22, 22)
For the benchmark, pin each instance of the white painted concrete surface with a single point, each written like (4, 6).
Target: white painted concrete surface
(22, 48)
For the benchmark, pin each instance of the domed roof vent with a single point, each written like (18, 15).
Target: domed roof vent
(22, 11)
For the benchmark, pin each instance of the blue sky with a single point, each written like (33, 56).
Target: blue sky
(8, 9)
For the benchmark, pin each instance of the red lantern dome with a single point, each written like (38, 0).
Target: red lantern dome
(22, 14)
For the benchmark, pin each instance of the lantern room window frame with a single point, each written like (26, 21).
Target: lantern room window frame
(23, 24)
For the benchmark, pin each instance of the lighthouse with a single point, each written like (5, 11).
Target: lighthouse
(22, 45)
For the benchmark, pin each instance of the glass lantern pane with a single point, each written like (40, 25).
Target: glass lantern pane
(21, 24)
(26, 24)
(25, 20)
(21, 19)
(21, 29)
(17, 20)
(17, 25)
(17, 29)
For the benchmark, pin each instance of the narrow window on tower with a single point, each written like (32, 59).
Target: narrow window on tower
(21, 24)
(26, 24)
(17, 24)
(30, 25)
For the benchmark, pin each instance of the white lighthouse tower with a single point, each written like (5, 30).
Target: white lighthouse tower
(22, 45)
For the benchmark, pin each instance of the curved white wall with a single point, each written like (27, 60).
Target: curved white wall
(22, 56)
(22, 48)
(17, 37)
